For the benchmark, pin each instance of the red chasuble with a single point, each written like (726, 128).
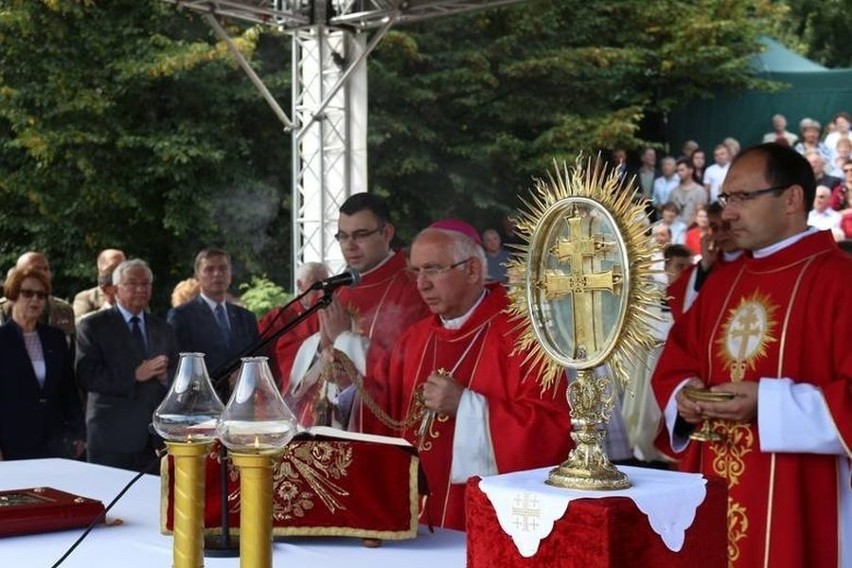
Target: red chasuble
(383, 305)
(788, 315)
(288, 344)
(528, 428)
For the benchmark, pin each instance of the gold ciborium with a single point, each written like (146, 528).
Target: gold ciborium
(706, 432)
(584, 291)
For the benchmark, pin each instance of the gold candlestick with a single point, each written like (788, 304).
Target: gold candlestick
(187, 548)
(255, 509)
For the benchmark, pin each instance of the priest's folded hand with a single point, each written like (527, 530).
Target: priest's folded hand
(442, 394)
(687, 408)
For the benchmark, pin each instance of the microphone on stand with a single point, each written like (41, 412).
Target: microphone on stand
(350, 277)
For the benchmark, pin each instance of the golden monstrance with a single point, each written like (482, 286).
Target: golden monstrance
(584, 290)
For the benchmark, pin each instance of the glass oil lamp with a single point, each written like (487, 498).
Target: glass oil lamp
(186, 419)
(255, 426)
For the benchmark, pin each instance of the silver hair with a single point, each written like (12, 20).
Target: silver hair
(310, 268)
(119, 271)
(462, 247)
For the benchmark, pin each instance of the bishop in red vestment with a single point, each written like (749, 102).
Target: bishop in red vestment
(488, 414)
(777, 333)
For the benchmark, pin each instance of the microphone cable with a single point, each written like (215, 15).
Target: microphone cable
(102, 516)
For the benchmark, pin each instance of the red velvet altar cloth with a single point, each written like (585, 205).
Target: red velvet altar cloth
(600, 533)
(321, 487)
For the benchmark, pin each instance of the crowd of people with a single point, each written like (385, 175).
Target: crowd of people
(421, 347)
(681, 187)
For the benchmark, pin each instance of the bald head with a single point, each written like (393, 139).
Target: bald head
(34, 259)
(108, 259)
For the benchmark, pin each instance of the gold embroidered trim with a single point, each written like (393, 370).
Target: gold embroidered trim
(710, 353)
(787, 317)
(769, 493)
(737, 529)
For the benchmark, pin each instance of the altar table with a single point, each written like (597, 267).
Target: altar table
(137, 542)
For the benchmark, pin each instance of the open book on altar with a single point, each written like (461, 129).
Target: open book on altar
(327, 482)
(337, 434)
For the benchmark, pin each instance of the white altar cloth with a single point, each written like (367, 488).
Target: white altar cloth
(137, 543)
(526, 507)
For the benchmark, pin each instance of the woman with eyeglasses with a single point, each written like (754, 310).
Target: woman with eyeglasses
(40, 411)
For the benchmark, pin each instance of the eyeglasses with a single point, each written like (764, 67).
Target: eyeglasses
(431, 270)
(741, 196)
(27, 293)
(356, 236)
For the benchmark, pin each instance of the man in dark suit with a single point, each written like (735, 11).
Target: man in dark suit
(209, 324)
(125, 361)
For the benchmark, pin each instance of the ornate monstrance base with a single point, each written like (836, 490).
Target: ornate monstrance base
(587, 467)
(591, 398)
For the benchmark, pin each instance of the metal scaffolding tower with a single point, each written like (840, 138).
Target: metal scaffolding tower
(329, 99)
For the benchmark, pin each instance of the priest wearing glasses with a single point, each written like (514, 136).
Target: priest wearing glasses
(773, 332)
(362, 321)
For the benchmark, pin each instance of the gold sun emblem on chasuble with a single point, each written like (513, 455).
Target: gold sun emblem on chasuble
(748, 330)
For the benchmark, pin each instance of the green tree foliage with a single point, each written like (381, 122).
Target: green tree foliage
(262, 295)
(466, 110)
(125, 124)
(821, 29)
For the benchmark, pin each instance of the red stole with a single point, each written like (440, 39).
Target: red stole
(383, 305)
(787, 315)
(529, 428)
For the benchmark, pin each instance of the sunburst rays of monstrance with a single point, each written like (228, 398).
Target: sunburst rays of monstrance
(583, 292)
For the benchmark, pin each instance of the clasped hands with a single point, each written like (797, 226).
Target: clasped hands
(741, 408)
(334, 319)
(156, 367)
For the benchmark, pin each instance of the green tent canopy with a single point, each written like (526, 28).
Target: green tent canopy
(811, 90)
